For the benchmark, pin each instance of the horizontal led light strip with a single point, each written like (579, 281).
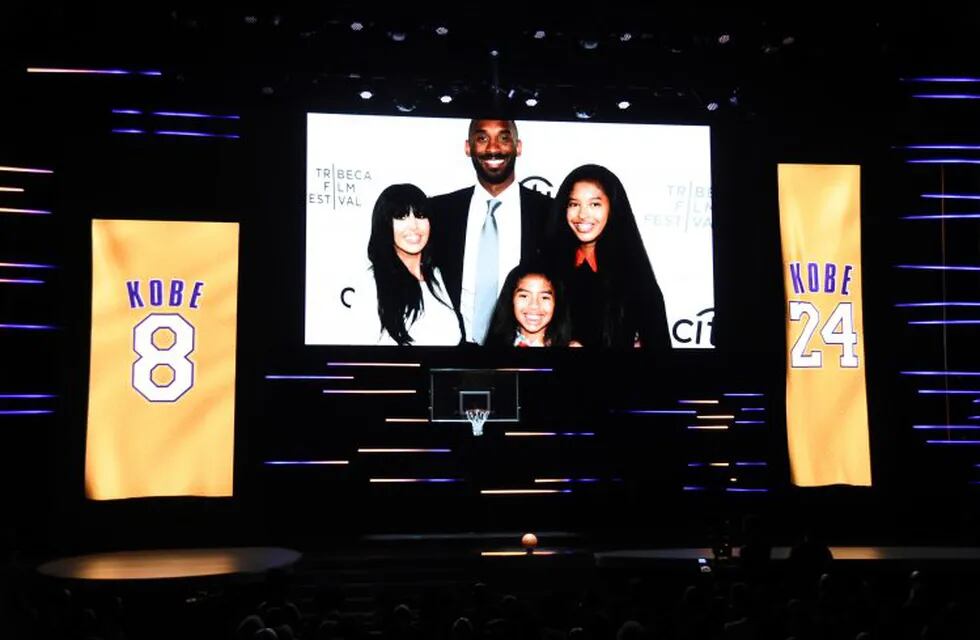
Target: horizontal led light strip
(523, 370)
(945, 427)
(306, 377)
(563, 480)
(707, 427)
(697, 402)
(663, 412)
(745, 490)
(516, 492)
(943, 161)
(305, 462)
(38, 212)
(24, 396)
(952, 196)
(374, 364)
(24, 170)
(20, 281)
(407, 450)
(708, 464)
(752, 408)
(942, 322)
(941, 79)
(25, 412)
(946, 96)
(941, 147)
(937, 304)
(411, 480)
(29, 327)
(198, 134)
(99, 72)
(406, 419)
(951, 392)
(514, 554)
(520, 434)
(12, 189)
(750, 422)
(715, 417)
(744, 395)
(28, 265)
(377, 392)
(937, 267)
(185, 114)
(955, 442)
(944, 216)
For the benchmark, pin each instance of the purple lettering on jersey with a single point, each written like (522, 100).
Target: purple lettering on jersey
(196, 293)
(794, 274)
(176, 293)
(133, 289)
(156, 293)
(829, 277)
(813, 277)
(846, 279)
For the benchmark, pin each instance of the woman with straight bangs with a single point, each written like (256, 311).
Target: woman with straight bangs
(413, 307)
(595, 244)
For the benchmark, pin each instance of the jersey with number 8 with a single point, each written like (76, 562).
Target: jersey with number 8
(175, 357)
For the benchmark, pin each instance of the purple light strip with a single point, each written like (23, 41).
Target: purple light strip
(940, 79)
(25, 170)
(952, 196)
(752, 409)
(945, 216)
(751, 464)
(938, 304)
(942, 322)
(745, 490)
(577, 433)
(25, 412)
(303, 377)
(936, 267)
(11, 396)
(951, 392)
(28, 265)
(98, 72)
(20, 281)
(954, 442)
(696, 464)
(525, 370)
(185, 114)
(744, 395)
(38, 212)
(374, 364)
(28, 326)
(304, 462)
(946, 96)
(128, 112)
(661, 412)
(692, 488)
(410, 480)
(133, 131)
(943, 161)
(750, 422)
(940, 373)
(973, 417)
(943, 427)
(198, 134)
(942, 147)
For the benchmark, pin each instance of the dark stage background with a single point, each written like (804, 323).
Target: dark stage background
(813, 91)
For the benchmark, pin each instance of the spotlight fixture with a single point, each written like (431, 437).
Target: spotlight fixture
(442, 30)
(445, 98)
(626, 36)
(788, 40)
(397, 36)
(712, 106)
(540, 34)
(251, 20)
(357, 26)
(623, 104)
(583, 114)
(531, 101)
(589, 44)
(494, 53)
(405, 106)
(366, 95)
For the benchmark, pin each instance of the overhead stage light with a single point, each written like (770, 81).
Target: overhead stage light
(540, 34)
(366, 95)
(442, 30)
(445, 98)
(623, 104)
(712, 106)
(357, 26)
(531, 102)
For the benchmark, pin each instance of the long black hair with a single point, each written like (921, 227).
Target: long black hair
(503, 325)
(632, 302)
(399, 294)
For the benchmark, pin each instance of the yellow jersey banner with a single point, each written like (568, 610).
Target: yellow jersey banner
(161, 411)
(826, 399)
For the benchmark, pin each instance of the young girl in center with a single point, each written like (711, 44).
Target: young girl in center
(531, 310)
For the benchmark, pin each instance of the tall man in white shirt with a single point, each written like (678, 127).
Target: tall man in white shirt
(482, 232)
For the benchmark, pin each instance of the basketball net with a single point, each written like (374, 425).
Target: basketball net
(477, 417)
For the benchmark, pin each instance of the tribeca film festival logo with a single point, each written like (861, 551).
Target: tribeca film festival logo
(689, 208)
(339, 187)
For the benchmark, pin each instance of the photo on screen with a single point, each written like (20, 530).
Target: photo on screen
(406, 224)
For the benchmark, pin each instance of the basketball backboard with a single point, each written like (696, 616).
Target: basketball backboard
(454, 391)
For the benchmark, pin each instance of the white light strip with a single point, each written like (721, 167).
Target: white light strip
(513, 554)
(551, 480)
(717, 417)
(12, 189)
(697, 402)
(717, 427)
(406, 419)
(529, 433)
(25, 170)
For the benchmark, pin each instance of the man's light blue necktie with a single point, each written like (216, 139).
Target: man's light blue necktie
(486, 274)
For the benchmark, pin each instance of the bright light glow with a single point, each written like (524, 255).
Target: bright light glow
(30, 327)
(103, 72)
(744, 395)
(945, 216)
(750, 422)
(951, 392)
(410, 480)
(12, 189)
(406, 419)
(512, 492)
(623, 104)
(952, 196)
(127, 112)
(946, 96)
(943, 161)
(954, 442)
(519, 434)
(445, 99)
(514, 554)
(943, 427)
(941, 79)
(531, 102)
(25, 412)
(697, 402)
(185, 114)
(937, 267)
(198, 134)
(366, 95)
(20, 281)
(938, 304)
(39, 212)
(25, 396)
(943, 322)
(129, 131)
(745, 490)
(713, 427)
(943, 147)
(24, 170)
(716, 417)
